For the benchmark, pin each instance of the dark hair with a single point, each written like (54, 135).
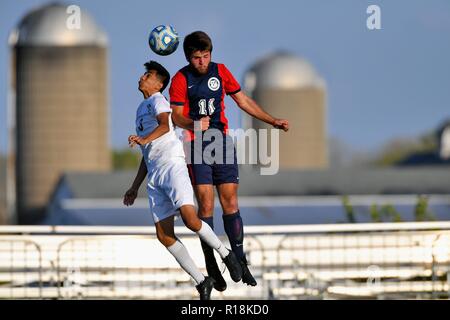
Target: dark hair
(161, 72)
(196, 41)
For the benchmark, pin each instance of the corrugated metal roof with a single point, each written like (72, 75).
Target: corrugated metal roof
(418, 180)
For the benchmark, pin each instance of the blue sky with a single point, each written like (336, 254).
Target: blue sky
(382, 84)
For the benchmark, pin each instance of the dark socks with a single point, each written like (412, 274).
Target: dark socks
(235, 231)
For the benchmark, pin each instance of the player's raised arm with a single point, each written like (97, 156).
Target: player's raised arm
(252, 108)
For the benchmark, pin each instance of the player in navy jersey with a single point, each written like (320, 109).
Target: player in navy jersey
(197, 93)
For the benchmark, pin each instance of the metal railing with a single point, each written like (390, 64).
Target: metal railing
(20, 269)
(369, 261)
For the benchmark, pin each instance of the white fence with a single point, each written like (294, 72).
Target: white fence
(383, 260)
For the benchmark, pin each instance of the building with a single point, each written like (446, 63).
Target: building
(58, 102)
(288, 198)
(287, 86)
(438, 157)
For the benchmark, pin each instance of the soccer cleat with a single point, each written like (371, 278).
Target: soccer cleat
(247, 277)
(233, 266)
(205, 288)
(214, 272)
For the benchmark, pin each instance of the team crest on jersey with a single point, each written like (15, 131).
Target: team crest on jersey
(213, 84)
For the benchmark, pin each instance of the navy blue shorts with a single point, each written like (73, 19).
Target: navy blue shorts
(207, 164)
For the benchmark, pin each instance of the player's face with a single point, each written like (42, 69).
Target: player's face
(149, 81)
(200, 61)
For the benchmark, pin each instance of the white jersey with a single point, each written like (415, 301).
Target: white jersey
(167, 146)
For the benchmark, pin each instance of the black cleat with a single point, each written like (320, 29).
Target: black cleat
(233, 266)
(214, 272)
(205, 288)
(247, 277)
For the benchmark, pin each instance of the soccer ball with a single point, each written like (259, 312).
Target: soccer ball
(163, 40)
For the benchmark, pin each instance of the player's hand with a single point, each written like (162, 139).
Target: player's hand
(130, 196)
(204, 123)
(133, 140)
(281, 124)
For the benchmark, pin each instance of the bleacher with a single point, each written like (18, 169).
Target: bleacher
(370, 261)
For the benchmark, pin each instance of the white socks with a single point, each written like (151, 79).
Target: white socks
(180, 253)
(207, 235)
(182, 256)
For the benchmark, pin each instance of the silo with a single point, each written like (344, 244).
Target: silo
(287, 86)
(59, 104)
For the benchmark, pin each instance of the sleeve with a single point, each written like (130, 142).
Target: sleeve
(230, 84)
(162, 105)
(178, 89)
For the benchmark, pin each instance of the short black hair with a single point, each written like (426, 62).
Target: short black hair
(196, 41)
(161, 72)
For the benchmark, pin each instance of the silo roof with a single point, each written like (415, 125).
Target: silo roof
(50, 25)
(282, 70)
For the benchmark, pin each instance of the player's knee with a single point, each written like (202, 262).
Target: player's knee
(229, 203)
(193, 224)
(166, 240)
(206, 209)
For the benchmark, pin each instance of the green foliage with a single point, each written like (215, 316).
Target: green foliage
(399, 149)
(375, 213)
(421, 212)
(126, 159)
(349, 211)
(391, 213)
(388, 213)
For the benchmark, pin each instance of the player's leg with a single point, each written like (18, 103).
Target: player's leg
(226, 178)
(234, 227)
(201, 178)
(208, 237)
(205, 199)
(166, 235)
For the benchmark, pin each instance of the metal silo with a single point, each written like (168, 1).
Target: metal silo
(287, 86)
(58, 105)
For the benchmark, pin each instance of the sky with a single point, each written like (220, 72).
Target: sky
(381, 84)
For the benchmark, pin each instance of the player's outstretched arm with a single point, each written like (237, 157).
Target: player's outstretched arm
(252, 108)
(131, 194)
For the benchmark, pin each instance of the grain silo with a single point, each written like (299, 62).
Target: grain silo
(287, 86)
(58, 103)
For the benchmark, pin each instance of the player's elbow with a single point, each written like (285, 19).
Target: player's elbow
(164, 127)
(245, 103)
(176, 118)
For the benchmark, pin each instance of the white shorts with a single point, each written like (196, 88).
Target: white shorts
(169, 187)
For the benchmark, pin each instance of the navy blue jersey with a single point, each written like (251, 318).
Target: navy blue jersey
(203, 94)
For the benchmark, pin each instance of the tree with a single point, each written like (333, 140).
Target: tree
(125, 159)
(401, 148)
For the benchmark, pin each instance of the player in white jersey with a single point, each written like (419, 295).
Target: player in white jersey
(169, 187)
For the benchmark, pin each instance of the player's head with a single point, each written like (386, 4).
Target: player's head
(197, 48)
(156, 77)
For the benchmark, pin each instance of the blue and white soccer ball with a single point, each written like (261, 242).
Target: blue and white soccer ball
(163, 40)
